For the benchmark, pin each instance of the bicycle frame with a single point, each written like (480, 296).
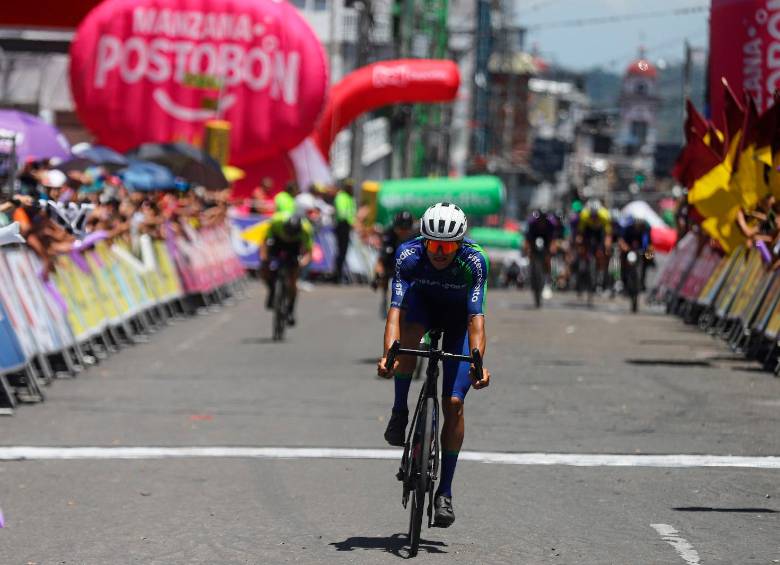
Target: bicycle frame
(429, 390)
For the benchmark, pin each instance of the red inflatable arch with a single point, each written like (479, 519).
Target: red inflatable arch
(381, 84)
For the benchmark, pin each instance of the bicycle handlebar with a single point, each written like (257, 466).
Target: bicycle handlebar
(396, 350)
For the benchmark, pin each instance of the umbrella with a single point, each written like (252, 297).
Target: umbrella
(75, 164)
(145, 176)
(101, 155)
(186, 161)
(34, 138)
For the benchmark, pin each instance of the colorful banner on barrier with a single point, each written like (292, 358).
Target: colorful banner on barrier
(11, 355)
(702, 270)
(99, 286)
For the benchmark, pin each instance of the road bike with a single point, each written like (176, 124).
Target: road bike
(420, 461)
(538, 256)
(280, 273)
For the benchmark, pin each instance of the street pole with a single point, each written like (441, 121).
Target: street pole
(332, 39)
(481, 80)
(686, 82)
(363, 54)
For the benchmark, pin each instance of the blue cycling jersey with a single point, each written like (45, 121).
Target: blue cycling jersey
(464, 281)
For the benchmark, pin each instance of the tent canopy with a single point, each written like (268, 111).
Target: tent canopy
(477, 196)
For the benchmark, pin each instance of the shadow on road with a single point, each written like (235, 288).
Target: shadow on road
(367, 361)
(397, 544)
(726, 510)
(750, 368)
(259, 341)
(670, 362)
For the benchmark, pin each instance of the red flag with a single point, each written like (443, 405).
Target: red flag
(715, 140)
(749, 131)
(767, 126)
(697, 160)
(695, 124)
(733, 113)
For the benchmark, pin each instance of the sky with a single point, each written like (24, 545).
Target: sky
(614, 45)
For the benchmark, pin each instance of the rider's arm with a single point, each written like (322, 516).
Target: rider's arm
(398, 287)
(479, 266)
(392, 328)
(477, 338)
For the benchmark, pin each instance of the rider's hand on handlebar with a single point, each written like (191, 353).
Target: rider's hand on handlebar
(482, 382)
(382, 369)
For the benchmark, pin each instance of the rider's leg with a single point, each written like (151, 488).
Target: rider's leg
(292, 284)
(411, 334)
(455, 386)
(269, 278)
(451, 441)
(396, 427)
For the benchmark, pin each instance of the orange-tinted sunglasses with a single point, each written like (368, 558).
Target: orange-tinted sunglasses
(443, 247)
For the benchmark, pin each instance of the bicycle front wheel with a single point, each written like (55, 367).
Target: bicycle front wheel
(421, 475)
(280, 307)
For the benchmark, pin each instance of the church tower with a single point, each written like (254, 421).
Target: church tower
(638, 108)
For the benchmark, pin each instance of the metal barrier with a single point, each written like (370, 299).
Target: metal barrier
(99, 299)
(736, 297)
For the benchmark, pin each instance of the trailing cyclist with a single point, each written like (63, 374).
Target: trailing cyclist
(594, 236)
(288, 241)
(401, 231)
(545, 227)
(440, 283)
(634, 235)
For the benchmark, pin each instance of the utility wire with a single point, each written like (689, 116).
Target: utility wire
(619, 18)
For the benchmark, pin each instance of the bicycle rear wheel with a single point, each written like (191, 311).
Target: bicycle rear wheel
(421, 474)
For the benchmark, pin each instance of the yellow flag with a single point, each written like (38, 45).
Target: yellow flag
(725, 230)
(745, 183)
(710, 193)
(256, 233)
(774, 177)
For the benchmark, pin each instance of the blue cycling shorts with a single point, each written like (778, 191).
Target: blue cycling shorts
(424, 310)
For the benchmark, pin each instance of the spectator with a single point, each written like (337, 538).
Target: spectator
(285, 200)
(344, 203)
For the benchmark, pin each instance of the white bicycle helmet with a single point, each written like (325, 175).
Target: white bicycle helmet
(443, 222)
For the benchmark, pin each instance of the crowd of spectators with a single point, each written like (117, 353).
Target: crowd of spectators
(759, 227)
(55, 209)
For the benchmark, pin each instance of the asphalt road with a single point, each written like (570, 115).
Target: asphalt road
(566, 380)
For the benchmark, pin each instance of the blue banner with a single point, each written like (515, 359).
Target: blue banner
(11, 355)
(325, 250)
(247, 252)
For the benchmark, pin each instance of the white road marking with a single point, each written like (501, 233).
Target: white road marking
(13, 453)
(680, 544)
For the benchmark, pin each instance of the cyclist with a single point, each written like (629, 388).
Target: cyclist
(440, 282)
(634, 235)
(545, 225)
(289, 239)
(594, 233)
(401, 231)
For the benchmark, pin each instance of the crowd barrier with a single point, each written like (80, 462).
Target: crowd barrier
(734, 297)
(100, 297)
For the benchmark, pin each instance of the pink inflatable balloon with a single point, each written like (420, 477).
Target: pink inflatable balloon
(279, 169)
(156, 70)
